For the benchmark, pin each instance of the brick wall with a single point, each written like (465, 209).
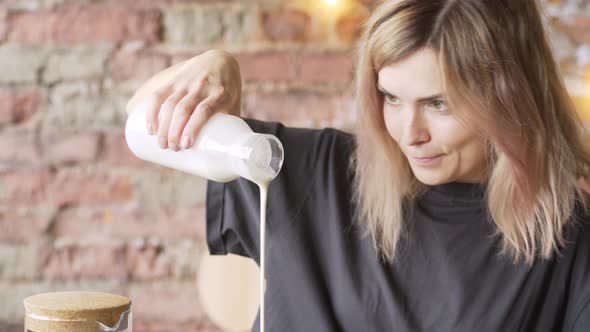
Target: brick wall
(77, 210)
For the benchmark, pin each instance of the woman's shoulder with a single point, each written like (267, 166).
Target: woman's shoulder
(577, 246)
(581, 213)
(309, 146)
(578, 238)
(577, 230)
(298, 133)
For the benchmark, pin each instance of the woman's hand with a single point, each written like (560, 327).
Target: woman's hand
(181, 99)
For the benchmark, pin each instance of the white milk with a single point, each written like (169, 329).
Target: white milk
(263, 198)
(225, 149)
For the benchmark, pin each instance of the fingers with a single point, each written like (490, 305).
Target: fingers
(154, 103)
(182, 112)
(200, 116)
(165, 116)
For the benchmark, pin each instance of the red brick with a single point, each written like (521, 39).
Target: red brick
(186, 53)
(325, 68)
(286, 25)
(3, 24)
(158, 3)
(300, 107)
(369, 4)
(115, 151)
(135, 261)
(71, 187)
(18, 225)
(67, 187)
(175, 303)
(18, 146)
(168, 224)
(60, 148)
(581, 29)
(349, 25)
(576, 27)
(74, 261)
(19, 106)
(85, 23)
(182, 56)
(146, 262)
(25, 187)
(138, 65)
(266, 66)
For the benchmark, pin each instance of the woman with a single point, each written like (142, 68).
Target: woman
(455, 207)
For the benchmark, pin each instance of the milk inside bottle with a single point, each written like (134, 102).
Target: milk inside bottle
(225, 149)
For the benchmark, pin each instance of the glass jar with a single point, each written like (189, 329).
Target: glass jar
(77, 312)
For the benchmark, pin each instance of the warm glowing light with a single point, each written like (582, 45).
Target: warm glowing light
(331, 2)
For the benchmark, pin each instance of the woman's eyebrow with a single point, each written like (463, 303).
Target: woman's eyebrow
(423, 99)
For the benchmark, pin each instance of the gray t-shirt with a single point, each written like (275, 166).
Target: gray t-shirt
(323, 274)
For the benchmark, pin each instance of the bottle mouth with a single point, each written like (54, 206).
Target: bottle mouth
(261, 157)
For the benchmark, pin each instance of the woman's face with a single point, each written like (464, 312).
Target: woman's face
(417, 118)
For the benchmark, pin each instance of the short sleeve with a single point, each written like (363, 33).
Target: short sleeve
(233, 208)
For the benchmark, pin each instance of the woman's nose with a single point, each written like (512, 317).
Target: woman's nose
(415, 128)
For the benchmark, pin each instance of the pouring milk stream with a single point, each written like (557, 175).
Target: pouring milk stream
(225, 149)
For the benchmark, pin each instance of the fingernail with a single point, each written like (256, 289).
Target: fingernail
(173, 146)
(162, 141)
(186, 141)
(150, 129)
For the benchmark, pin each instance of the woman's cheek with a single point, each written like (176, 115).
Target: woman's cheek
(392, 125)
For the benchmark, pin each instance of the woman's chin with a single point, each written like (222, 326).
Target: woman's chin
(431, 178)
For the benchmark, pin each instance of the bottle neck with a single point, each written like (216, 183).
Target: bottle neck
(257, 157)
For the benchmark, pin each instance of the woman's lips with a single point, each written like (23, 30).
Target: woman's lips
(427, 161)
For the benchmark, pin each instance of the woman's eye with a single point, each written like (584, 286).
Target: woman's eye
(391, 100)
(438, 105)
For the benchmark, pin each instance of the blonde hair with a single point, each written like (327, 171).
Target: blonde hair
(495, 59)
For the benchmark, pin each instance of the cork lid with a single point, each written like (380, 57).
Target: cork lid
(64, 311)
